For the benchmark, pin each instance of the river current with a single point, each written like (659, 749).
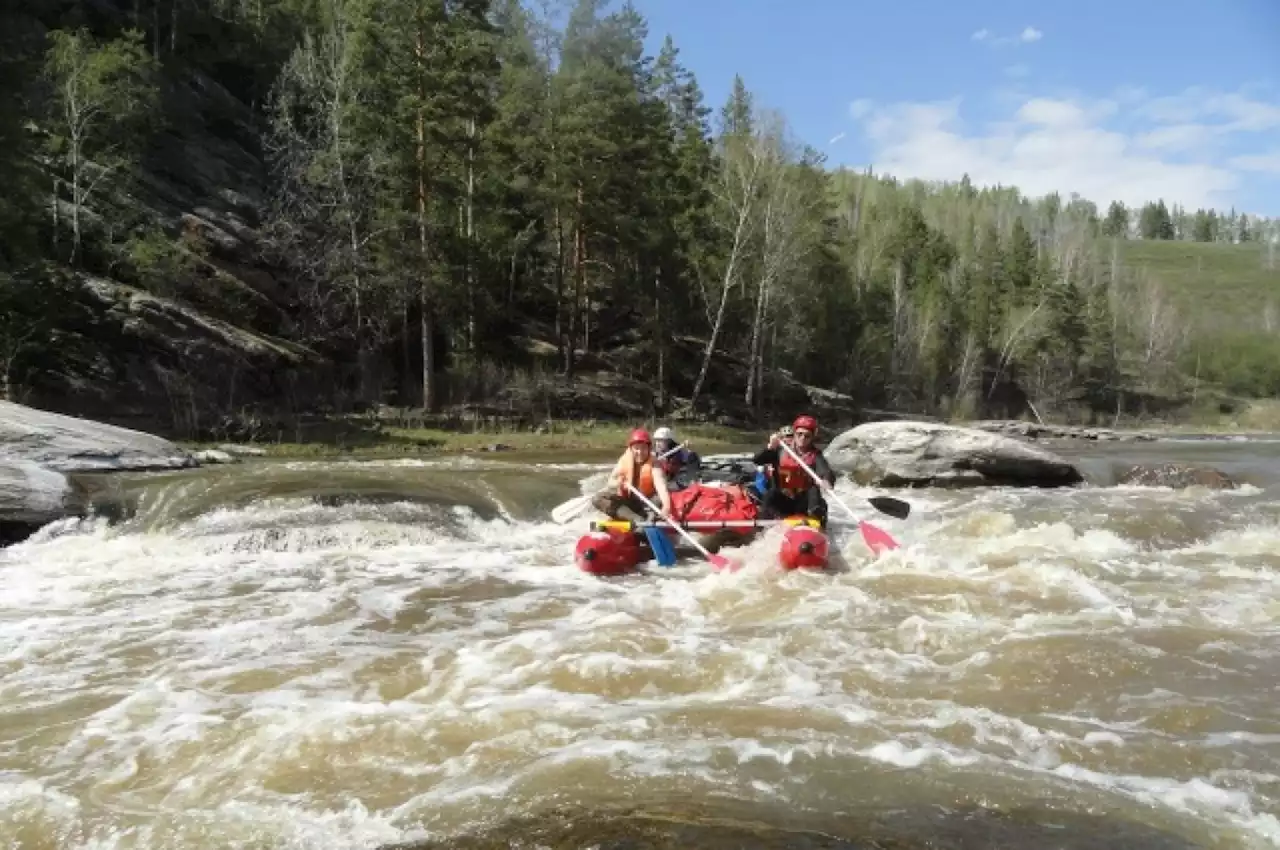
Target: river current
(347, 655)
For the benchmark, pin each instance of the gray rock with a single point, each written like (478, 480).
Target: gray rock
(214, 456)
(242, 451)
(69, 444)
(1034, 431)
(928, 454)
(33, 495)
(1177, 476)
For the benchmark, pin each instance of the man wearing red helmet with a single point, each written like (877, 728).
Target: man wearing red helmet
(638, 467)
(791, 491)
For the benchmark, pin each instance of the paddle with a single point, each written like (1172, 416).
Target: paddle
(575, 507)
(718, 561)
(877, 539)
(895, 508)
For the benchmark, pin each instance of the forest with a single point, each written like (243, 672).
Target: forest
(228, 208)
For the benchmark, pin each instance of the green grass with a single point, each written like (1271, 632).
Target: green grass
(352, 438)
(1218, 287)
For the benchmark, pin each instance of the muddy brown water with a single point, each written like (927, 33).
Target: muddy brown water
(352, 655)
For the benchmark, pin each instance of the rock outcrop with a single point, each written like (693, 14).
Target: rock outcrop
(928, 454)
(1033, 431)
(31, 496)
(1177, 476)
(68, 444)
(41, 451)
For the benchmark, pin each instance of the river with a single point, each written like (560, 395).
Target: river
(345, 655)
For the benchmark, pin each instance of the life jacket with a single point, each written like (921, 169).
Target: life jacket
(641, 479)
(672, 464)
(792, 479)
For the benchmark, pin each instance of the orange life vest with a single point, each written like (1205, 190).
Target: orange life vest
(641, 479)
(792, 479)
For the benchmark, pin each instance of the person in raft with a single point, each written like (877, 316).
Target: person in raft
(764, 474)
(681, 467)
(791, 491)
(636, 466)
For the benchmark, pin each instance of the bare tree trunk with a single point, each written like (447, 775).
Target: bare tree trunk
(897, 348)
(425, 319)
(660, 340)
(711, 345)
(562, 334)
(470, 234)
(75, 193)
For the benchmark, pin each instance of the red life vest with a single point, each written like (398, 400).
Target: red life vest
(792, 479)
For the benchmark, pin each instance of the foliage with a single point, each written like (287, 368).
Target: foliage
(458, 187)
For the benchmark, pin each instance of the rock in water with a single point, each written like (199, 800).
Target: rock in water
(68, 444)
(1177, 476)
(31, 496)
(928, 454)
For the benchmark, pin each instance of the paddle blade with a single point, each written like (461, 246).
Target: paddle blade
(895, 508)
(566, 511)
(720, 562)
(877, 539)
(663, 552)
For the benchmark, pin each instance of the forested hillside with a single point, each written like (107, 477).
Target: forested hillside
(230, 209)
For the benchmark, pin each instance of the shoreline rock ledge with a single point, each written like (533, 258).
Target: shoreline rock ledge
(40, 451)
(929, 454)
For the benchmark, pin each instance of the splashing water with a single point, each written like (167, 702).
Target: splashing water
(343, 655)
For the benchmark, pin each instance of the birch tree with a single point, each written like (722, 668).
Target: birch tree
(99, 91)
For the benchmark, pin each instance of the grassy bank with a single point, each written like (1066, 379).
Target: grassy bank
(352, 438)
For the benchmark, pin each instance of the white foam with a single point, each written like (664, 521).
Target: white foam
(350, 675)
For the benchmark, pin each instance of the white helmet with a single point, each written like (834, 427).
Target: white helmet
(664, 433)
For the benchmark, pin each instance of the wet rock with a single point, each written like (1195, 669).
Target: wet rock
(929, 454)
(935, 828)
(1034, 431)
(31, 496)
(498, 447)
(1177, 476)
(69, 444)
(242, 451)
(214, 456)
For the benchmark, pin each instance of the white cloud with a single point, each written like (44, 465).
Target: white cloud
(837, 137)
(1267, 163)
(1029, 35)
(1085, 145)
(861, 107)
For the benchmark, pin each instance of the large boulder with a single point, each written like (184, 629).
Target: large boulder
(929, 454)
(68, 444)
(1177, 476)
(31, 496)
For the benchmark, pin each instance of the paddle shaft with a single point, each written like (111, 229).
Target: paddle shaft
(711, 523)
(822, 485)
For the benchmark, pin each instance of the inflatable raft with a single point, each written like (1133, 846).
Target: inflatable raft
(727, 510)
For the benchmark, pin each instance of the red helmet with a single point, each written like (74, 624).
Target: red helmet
(807, 422)
(639, 435)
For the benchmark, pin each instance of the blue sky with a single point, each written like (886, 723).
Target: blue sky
(1122, 99)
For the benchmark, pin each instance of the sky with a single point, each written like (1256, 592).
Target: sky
(1129, 100)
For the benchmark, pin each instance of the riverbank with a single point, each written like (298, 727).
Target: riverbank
(372, 438)
(362, 439)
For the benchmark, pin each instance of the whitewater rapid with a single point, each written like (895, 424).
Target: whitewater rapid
(345, 655)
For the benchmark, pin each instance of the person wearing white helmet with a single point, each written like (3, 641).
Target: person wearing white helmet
(681, 466)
